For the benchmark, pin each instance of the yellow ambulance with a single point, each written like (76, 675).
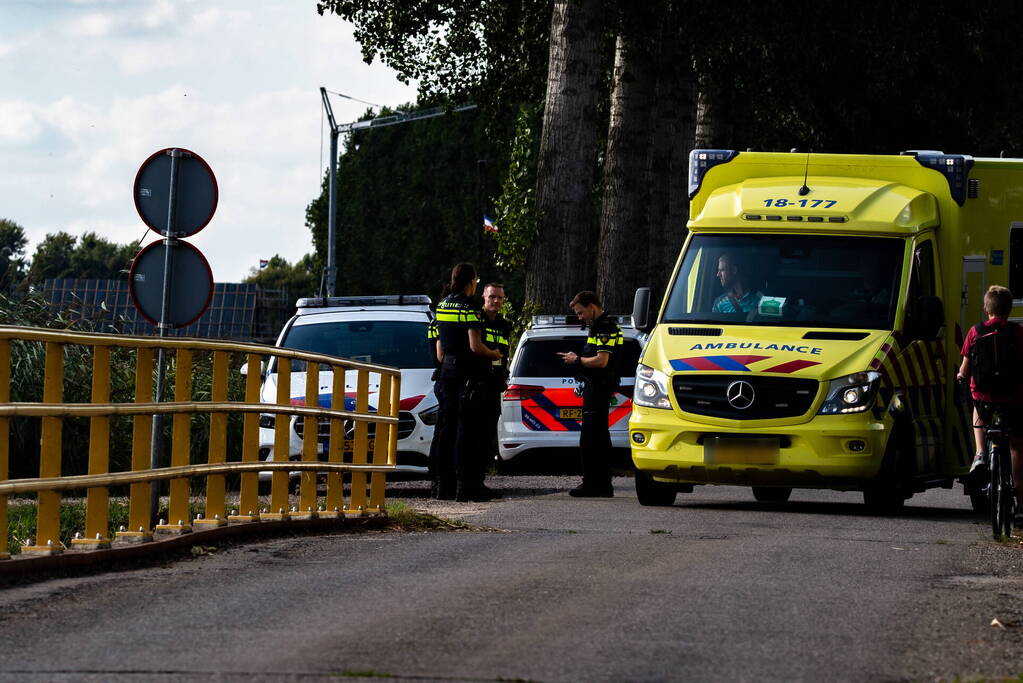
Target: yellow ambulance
(810, 335)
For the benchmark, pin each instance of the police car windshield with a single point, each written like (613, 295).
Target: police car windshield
(788, 280)
(400, 344)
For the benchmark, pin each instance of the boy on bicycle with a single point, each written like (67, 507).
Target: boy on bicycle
(995, 381)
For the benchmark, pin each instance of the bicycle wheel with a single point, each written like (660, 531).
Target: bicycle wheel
(1000, 491)
(1007, 497)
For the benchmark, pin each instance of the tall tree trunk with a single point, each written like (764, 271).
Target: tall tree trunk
(673, 137)
(714, 123)
(625, 221)
(559, 262)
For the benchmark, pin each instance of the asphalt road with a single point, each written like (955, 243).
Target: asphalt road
(551, 588)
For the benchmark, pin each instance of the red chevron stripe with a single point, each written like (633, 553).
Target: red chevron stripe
(618, 413)
(543, 416)
(792, 366)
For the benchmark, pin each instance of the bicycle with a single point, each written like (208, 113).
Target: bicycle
(1001, 494)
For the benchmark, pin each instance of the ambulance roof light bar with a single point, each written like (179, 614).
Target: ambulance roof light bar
(701, 161)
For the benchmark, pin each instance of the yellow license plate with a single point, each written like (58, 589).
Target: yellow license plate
(570, 413)
(350, 445)
(741, 451)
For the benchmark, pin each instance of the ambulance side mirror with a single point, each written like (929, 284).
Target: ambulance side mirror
(929, 319)
(641, 317)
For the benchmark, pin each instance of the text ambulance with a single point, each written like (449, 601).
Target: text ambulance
(811, 332)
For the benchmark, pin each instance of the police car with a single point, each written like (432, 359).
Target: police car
(541, 410)
(385, 330)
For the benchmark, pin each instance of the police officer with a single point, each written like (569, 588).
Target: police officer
(600, 379)
(496, 332)
(465, 361)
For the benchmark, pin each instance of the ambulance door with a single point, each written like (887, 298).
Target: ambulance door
(974, 285)
(922, 362)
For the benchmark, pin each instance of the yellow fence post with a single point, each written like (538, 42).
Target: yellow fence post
(215, 489)
(388, 402)
(336, 445)
(279, 480)
(97, 511)
(5, 431)
(141, 439)
(310, 443)
(357, 499)
(48, 509)
(178, 513)
(248, 502)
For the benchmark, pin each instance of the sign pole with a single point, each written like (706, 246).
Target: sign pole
(156, 447)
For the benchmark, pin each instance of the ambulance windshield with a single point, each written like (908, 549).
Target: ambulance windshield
(791, 280)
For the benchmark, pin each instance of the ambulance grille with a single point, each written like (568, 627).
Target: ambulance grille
(695, 331)
(773, 397)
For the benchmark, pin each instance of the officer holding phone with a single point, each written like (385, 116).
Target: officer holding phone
(600, 380)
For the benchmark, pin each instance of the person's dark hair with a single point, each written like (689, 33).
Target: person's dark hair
(998, 301)
(585, 298)
(461, 275)
(495, 285)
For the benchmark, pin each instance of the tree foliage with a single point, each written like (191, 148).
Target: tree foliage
(761, 74)
(62, 255)
(298, 280)
(409, 206)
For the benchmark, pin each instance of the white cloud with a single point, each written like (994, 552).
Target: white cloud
(95, 25)
(18, 122)
(158, 15)
(232, 80)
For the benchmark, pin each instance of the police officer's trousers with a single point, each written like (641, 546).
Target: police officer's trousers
(595, 437)
(457, 458)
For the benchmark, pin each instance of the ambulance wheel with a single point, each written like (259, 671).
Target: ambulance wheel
(772, 494)
(651, 492)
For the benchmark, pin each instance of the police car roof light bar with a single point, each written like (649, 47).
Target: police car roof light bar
(355, 301)
(573, 321)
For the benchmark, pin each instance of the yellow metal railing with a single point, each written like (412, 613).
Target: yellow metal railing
(367, 472)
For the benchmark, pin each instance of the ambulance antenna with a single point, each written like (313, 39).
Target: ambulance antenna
(804, 190)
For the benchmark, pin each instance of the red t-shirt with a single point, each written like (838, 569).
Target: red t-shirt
(971, 337)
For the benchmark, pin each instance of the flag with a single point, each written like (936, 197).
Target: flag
(488, 224)
(263, 263)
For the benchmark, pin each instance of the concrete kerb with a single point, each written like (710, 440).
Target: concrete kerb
(20, 565)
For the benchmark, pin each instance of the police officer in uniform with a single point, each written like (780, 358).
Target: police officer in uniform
(496, 332)
(465, 361)
(600, 379)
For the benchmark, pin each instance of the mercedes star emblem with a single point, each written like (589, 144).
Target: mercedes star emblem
(740, 394)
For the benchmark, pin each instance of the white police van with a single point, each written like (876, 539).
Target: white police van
(385, 330)
(541, 412)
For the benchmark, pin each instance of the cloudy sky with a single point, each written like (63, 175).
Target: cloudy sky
(90, 88)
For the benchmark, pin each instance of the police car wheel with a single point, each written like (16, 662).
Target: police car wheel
(772, 494)
(651, 492)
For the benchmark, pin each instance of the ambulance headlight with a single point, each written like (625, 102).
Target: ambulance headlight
(651, 388)
(851, 394)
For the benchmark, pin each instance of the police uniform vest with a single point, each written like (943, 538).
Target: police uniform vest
(431, 338)
(496, 334)
(456, 315)
(604, 336)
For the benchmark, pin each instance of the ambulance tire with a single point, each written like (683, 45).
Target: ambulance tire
(654, 493)
(772, 494)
